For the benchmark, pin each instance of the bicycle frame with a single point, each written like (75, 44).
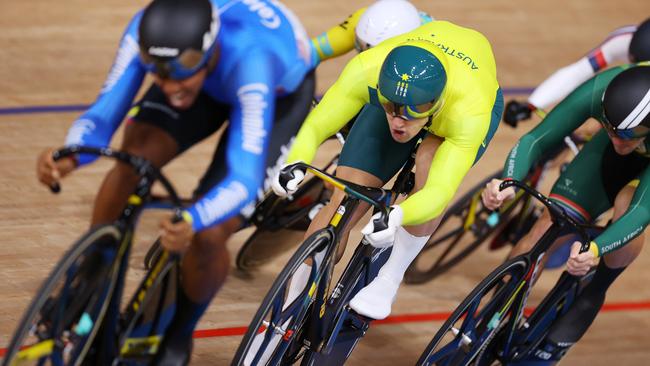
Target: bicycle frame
(326, 321)
(126, 223)
(516, 302)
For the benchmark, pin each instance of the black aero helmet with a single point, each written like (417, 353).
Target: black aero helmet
(640, 44)
(177, 37)
(626, 103)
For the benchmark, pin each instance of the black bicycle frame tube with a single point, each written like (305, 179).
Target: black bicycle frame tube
(336, 225)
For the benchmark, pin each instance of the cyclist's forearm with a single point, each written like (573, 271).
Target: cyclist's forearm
(572, 112)
(221, 203)
(521, 158)
(561, 84)
(448, 168)
(339, 105)
(337, 40)
(306, 144)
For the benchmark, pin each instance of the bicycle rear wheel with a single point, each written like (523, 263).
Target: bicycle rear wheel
(281, 225)
(279, 320)
(61, 322)
(457, 236)
(468, 332)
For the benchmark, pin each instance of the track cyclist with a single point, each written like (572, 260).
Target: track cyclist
(247, 62)
(436, 83)
(626, 44)
(610, 171)
(367, 27)
(363, 29)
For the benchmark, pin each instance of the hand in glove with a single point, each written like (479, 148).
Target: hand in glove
(383, 238)
(287, 180)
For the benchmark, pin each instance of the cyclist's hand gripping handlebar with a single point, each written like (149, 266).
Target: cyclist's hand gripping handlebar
(558, 214)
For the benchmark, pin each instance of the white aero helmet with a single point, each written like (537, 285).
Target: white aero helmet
(385, 19)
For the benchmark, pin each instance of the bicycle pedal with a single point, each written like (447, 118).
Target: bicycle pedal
(360, 322)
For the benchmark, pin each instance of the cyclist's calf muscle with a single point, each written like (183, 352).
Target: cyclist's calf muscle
(206, 263)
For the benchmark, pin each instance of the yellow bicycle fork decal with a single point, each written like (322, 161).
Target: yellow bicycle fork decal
(34, 352)
(155, 272)
(141, 346)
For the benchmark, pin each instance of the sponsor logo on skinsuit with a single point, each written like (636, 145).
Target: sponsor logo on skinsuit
(252, 99)
(268, 17)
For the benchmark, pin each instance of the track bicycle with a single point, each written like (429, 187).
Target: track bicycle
(466, 224)
(490, 326)
(74, 317)
(318, 327)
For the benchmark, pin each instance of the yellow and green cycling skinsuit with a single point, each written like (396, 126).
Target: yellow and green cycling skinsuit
(472, 109)
(339, 39)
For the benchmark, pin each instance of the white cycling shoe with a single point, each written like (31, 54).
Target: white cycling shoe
(375, 300)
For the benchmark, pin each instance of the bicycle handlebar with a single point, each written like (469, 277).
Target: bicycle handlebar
(557, 212)
(379, 224)
(141, 166)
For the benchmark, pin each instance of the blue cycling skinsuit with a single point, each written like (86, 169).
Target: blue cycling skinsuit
(264, 56)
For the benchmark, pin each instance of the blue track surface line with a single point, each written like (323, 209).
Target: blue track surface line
(83, 107)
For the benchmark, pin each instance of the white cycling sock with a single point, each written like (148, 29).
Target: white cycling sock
(376, 299)
(405, 248)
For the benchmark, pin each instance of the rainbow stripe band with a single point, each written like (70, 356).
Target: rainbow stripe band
(576, 209)
(597, 60)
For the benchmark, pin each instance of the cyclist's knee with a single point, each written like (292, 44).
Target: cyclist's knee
(622, 201)
(150, 142)
(125, 174)
(212, 241)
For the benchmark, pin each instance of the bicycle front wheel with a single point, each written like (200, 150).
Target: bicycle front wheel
(467, 333)
(279, 319)
(60, 324)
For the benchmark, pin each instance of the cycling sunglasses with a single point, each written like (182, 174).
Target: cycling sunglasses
(626, 134)
(410, 112)
(188, 63)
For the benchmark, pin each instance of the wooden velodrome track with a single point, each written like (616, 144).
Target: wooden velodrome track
(56, 53)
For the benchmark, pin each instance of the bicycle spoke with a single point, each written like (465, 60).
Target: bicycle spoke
(448, 250)
(449, 351)
(452, 233)
(470, 319)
